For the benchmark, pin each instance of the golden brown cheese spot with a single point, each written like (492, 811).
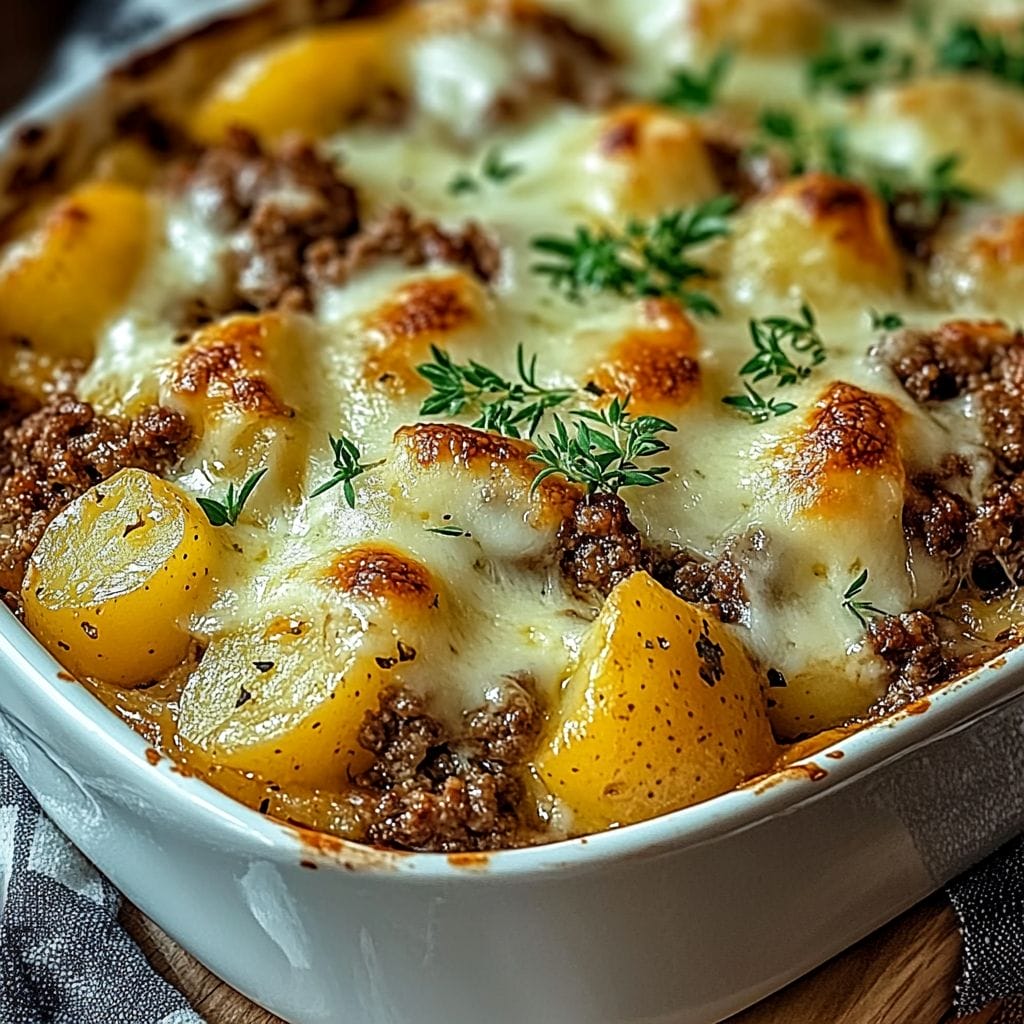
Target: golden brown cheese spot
(850, 431)
(817, 237)
(484, 454)
(226, 364)
(655, 364)
(849, 214)
(426, 312)
(381, 573)
(759, 26)
(985, 265)
(657, 159)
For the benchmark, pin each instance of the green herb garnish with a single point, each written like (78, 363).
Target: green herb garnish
(226, 512)
(348, 466)
(696, 90)
(969, 47)
(604, 457)
(771, 360)
(859, 66)
(861, 609)
(646, 258)
(495, 169)
(447, 531)
(756, 406)
(885, 321)
(503, 406)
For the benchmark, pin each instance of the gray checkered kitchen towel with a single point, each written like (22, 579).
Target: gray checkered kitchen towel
(64, 957)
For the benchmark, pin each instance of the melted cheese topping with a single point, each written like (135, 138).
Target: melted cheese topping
(804, 503)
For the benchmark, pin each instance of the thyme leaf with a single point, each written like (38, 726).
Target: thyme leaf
(348, 466)
(755, 406)
(645, 258)
(226, 512)
(514, 408)
(602, 449)
(860, 609)
(770, 358)
(693, 90)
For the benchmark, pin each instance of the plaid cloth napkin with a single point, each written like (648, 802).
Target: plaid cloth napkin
(64, 958)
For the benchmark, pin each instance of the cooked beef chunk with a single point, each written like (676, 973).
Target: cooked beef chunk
(718, 584)
(399, 235)
(600, 546)
(276, 205)
(911, 645)
(57, 453)
(434, 791)
(741, 171)
(294, 222)
(954, 359)
(939, 518)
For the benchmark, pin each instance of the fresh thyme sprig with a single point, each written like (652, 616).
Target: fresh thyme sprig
(969, 47)
(861, 609)
(512, 408)
(494, 169)
(692, 90)
(758, 408)
(859, 66)
(771, 360)
(604, 457)
(348, 466)
(645, 258)
(226, 512)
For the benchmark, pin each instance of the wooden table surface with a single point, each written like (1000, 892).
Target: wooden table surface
(903, 974)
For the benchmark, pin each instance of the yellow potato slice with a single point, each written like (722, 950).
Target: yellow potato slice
(309, 83)
(664, 710)
(284, 701)
(110, 587)
(60, 285)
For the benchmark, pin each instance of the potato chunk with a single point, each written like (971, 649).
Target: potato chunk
(334, 70)
(285, 698)
(112, 583)
(60, 285)
(665, 709)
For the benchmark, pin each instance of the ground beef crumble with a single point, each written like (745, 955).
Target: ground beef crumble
(434, 791)
(58, 452)
(295, 223)
(599, 547)
(910, 644)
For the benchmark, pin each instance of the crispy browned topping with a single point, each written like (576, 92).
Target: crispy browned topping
(226, 363)
(380, 572)
(850, 429)
(849, 212)
(654, 365)
(58, 453)
(430, 307)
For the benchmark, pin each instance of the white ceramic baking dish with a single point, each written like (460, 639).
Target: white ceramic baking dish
(681, 920)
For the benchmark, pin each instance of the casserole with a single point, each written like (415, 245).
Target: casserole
(269, 896)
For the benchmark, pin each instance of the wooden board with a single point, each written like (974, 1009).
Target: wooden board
(903, 974)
